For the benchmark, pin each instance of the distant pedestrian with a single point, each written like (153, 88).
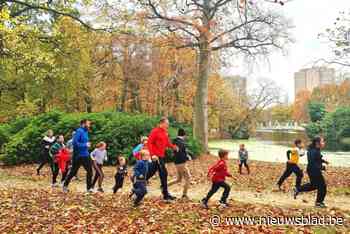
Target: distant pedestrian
(46, 143)
(243, 158)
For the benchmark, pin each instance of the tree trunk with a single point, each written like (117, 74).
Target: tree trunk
(201, 98)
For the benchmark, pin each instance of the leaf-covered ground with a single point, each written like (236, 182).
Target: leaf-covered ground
(29, 205)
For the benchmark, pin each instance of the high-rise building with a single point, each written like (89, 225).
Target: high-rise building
(310, 78)
(238, 84)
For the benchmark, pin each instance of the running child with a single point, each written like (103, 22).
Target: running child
(46, 143)
(143, 145)
(98, 156)
(243, 158)
(140, 177)
(217, 174)
(56, 154)
(181, 157)
(293, 156)
(122, 172)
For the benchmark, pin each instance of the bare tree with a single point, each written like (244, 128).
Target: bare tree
(217, 25)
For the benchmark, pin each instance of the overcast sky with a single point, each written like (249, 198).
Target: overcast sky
(309, 17)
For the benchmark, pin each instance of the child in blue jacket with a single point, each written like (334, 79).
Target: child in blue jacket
(140, 176)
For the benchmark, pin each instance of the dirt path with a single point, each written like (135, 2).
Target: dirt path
(197, 191)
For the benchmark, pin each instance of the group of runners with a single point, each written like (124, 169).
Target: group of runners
(150, 157)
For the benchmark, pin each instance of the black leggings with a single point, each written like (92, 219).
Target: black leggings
(86, 163)
(292, 168)
(44, 159)
(317, 182)
(99, 175)
(215, 187)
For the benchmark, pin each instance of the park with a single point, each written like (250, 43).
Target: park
(174, 116)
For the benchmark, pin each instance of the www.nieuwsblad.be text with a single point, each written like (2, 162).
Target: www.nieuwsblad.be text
(309, 220)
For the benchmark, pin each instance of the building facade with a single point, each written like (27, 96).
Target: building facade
(310, 78)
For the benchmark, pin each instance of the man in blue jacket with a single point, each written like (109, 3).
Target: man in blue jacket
(81, 147)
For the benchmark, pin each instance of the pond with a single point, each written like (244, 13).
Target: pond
(272, 151)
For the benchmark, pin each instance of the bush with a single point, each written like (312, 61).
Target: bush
(335, 127)
(120, 131)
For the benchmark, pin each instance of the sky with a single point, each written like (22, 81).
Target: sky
(309, 17)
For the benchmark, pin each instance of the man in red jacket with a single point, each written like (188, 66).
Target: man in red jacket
(158, 142)
(218, 173)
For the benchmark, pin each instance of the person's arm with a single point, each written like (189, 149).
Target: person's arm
(137, 149)
(137, 169)
(105, 157)
(151, 142)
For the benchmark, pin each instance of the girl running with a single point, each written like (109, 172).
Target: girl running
(98, 156)
(122, 171)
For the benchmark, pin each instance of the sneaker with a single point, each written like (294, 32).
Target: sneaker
(279, 187)
(320, 205)
(90, 190)
(223, 204)
(204, 204)
(65, 189)
(54, 185)
(169, 198)
(100, 190)
(131, 194)
(295, 193)
(37, 172)
(185, 197)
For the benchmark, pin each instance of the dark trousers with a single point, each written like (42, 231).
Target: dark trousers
(140, 190)
(241, 163)
(163, 174)
(317, 182)
(55, 172)
(99, 175)
(44, 159)
(86, 163)
(292, 168)
(215, 187)
(119, 181)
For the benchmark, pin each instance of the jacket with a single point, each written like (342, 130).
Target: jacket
(314, 160)
(80, 140)
(218, 172)
(158, 142)
(182, 155)
(141, 169)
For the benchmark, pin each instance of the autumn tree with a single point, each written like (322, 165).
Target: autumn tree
(210, 26)
(300, 111)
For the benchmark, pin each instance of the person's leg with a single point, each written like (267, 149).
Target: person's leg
(226, 192)
(72, 172)
(285, 175)
(321, 189)
(179, 172)
(97, 174)
(163, 174)
(44, 160)
(154, 167)
(140, 191)
(86, 162)
(309, 186)
(212, 191)
(240, 166)
(100, 178)
(64, 175)
(187, 177)
(299, 176)
(246, 166)
(55, 172)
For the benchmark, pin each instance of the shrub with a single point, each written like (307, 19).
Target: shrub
(121, 131)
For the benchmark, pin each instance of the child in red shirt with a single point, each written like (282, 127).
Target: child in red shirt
(217, 173)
